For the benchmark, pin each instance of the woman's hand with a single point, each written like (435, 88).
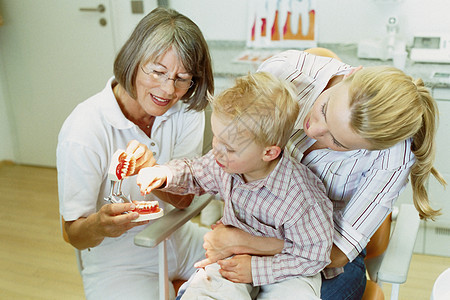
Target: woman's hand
(338, 258)
(237, 269)
(110, 221)
(225, 241)
(113, 220)
(144, 157)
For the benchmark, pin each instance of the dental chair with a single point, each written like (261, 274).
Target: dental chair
(389, 252)
(160, 231)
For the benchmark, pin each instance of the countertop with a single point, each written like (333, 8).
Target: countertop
(224, 54)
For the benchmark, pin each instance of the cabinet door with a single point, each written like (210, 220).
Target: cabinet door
(437, 234)
(55, 56)
(439, 196)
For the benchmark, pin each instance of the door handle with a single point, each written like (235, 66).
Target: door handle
(99, 8)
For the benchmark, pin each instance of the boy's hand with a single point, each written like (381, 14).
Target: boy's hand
(216, 243)
(203, 263)
(151, 178)
(237, 269)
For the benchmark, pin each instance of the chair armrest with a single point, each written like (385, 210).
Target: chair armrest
(162, 228)
(395, 265)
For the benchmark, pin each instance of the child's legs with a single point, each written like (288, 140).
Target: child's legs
(209, 284)
(307, 288)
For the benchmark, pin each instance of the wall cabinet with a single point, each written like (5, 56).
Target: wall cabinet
(437, 234)
(434, 236)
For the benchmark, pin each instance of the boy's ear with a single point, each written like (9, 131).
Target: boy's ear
(271, 153)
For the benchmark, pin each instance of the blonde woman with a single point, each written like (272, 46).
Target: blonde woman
(364, 132)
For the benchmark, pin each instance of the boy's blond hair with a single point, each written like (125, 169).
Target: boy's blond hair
(261, 104)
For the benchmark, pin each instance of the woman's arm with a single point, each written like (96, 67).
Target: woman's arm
(338, 258)
(109, 221)
(225, 241)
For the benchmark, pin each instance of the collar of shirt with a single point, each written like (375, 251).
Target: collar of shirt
(276, 180)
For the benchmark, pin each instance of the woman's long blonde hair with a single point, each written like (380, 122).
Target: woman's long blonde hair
(388, 107)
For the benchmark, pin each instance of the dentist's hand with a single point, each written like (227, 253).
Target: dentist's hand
(144, 157)
(151, 178)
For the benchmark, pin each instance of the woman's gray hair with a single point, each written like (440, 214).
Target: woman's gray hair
(155, 34)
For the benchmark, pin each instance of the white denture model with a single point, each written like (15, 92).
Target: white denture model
(148, 210)
(123, 165)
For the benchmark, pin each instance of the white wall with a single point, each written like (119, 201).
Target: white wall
(23, 56)
(339, 21)
(6, 133)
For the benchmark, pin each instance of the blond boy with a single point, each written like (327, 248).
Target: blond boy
(265, 192)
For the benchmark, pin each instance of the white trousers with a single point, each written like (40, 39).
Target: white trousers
(208, 284)
(118, 269)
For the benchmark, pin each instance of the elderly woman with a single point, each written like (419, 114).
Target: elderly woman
(162, 76)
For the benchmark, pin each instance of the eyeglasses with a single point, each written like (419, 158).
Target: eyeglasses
(180, 83)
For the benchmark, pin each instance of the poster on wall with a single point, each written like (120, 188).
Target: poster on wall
(282, 24)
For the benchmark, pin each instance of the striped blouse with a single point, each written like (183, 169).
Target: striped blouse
(363, 185)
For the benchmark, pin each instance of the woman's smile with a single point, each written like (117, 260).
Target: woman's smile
(160, 101)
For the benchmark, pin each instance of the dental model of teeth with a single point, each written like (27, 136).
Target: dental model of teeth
(148, 210)
(122, 165)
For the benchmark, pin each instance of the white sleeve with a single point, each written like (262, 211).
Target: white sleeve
(79, 180)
